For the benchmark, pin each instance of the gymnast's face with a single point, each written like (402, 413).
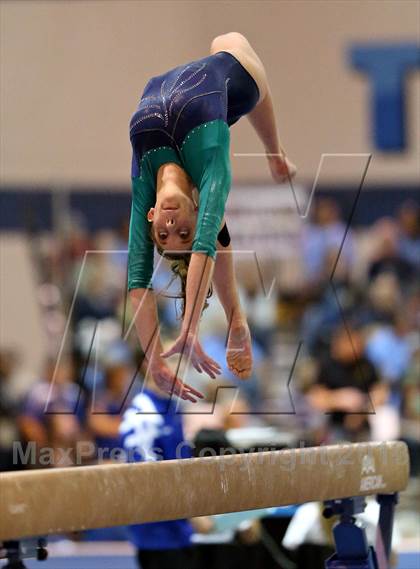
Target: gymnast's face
(174, 220)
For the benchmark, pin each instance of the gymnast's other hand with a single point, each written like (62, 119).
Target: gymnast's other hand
(187, 344)
(282, 169)
(167, 381)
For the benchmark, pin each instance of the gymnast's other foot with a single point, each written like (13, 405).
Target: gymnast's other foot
(239, 349)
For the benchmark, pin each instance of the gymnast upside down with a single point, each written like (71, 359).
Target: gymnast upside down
(180, 139)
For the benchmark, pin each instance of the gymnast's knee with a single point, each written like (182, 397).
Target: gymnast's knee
(230, 40)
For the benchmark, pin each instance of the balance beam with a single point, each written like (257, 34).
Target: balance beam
(42, 502)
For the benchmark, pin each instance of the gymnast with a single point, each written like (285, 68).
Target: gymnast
(181, 178)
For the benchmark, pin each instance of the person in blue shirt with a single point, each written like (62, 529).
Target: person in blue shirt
(151, 429)
(408, 219)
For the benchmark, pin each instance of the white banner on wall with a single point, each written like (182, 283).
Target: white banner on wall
(265, 219)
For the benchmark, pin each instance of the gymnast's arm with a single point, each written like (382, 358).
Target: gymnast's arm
(213, 187)
(140, 272)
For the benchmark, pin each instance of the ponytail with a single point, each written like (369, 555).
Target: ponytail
(179, 267)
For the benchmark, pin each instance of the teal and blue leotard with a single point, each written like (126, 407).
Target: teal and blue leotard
(184, 117)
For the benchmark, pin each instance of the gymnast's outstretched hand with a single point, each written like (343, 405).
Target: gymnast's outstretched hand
(187, 345)
(282, 169)
(167, 380)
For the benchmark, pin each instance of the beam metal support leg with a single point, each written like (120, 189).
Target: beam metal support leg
(16, 551)
(387, 503)
(352, 549)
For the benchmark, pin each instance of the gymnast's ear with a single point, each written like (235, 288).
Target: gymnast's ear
(150, 214)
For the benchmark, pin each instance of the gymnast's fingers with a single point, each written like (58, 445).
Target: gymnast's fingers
(170, 351)
(207, 365)
(212, 363)
(207, 359)
(193, 391)
(196, 365)
(187, 393)
(210, 370)
(214, 366)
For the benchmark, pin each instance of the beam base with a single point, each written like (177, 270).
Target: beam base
(352, 549)
(15, 552)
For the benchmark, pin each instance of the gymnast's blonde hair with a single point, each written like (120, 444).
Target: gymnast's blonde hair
(180, 263)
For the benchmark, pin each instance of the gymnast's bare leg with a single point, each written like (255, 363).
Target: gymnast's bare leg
(262, 118)
(238, 349)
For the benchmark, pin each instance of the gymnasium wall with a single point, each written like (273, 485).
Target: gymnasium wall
(71, 74)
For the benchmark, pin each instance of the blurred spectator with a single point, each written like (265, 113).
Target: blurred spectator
(261, 311)
(152, 430)
(75, 240)
(387, 258)
(322, 317)
(237, 413)
(104, 418)
(411, 412)
(389, 349)
(222, 409)
(381, 301)
(121, 244)
(321, 242)
(94, 298)
(208, 413)
(347, 387)
(96, 342)
(408, 219)
(76, 236)
(231, 543)
(51, 418)
(110, 254)
(215, 346)
(9, 409)
(411, 389)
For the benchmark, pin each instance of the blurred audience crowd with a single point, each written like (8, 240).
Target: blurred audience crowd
(355, 315)
(352, 322)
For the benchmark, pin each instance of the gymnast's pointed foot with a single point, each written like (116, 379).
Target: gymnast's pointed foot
(239, 348)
